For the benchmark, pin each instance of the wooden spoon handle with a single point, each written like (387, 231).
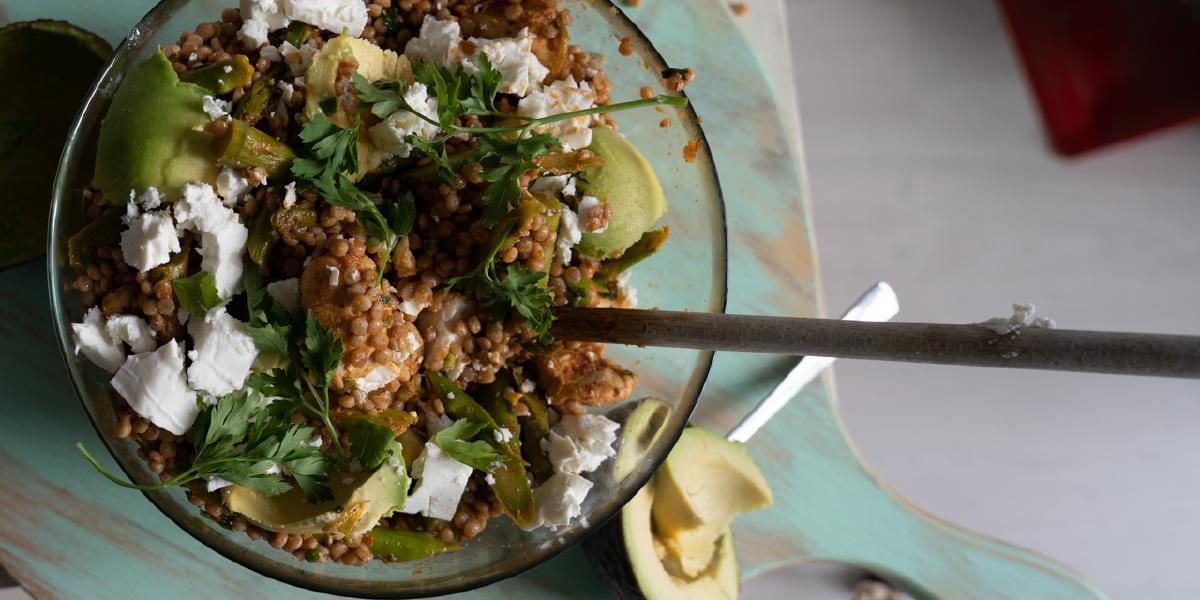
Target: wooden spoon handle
(973, 345)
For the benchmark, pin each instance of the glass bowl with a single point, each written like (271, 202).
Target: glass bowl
(687, 274)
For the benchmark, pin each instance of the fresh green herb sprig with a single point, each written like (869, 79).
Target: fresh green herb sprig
(520, 289)
(270, 323)
(503, 155)
(455, 441)
(197, 294)
(238, 441)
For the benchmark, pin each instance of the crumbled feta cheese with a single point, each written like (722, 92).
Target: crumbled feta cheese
(436, 43)
(502, 435)
(555, 185)
(395, 464)
(149, 238)
(581, 443)
(568, 233)
(287, 292)
(440, 484)
(528, 386)
(223, 353)
(587, 204)
(564, 95)
(92, 338)
(213, 483)
(231, 186)
(226, 69)
(335, 275)
(559, 500)
(216, 108)
(149, 200)
(390, 134)
(260, 17)
(376, 378)
(154, 386)
(270, 53)
(304, 55)
(490, 479)
(132, 330)
(289, 194)
(1024, 315)
(520, 70)
(222, 239)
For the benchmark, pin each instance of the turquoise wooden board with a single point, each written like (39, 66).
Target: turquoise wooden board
(69, 535)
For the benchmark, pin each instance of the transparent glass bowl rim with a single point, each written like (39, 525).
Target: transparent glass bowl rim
(141, 33)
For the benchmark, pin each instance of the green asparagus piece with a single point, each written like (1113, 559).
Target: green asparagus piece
(177, 267)
(649, 243)
(262, 238)
(222, 77)
(297, 33)
(104, 231)
(246, 147)
(254, 104)
(401, 545)
(511, 486)
(534, 428)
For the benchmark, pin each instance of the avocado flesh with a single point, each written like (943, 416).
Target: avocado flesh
(374, 63)
(356, 506)
(627, 184)
(153, 134)
(703, 484)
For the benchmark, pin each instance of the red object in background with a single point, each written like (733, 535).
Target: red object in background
(1108, 70)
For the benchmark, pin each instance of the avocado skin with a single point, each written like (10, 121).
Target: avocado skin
(605, 549)
(153, 134)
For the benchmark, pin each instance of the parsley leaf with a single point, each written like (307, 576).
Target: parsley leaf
(436, 150)
(197, 294)
(236, 440)
(524, 291)
(503, 163)
(270, 323)
(477, 454)
(369, 442)
(329, 151)
(386, 228)
(483, 87)
(321, 351)
(385, 97)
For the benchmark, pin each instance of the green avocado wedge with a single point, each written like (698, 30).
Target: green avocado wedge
(628, 186)
(49, 66)
(153, 134)
(359, 501)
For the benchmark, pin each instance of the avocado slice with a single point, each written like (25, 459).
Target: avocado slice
(633, 553)
(359, 501)
(374, 63)
(153, 134)
(705, 482)
(627, 184)
(49, 66)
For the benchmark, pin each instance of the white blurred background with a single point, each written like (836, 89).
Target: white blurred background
(928, 168)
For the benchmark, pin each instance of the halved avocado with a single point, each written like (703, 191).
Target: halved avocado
(628, 186)
(631, 552)
(359, 501)
(153, 134)
(374, 63)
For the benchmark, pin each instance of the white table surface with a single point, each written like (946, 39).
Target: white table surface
(928, 168)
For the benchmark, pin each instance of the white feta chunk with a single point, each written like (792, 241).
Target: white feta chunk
(92, 338)
(231, 186)
(437, 43)
(289, 194)
(564, 95)
(390, 134)
(132, 330)
(559, 500)
(554, 185)
(213, 483)
(335, 275)
(216, 108)
(569, 233)
(223, 353)
(376, 378)
(297, 58)
(502, 435)
(222, 236)
(440, 484)
(581, 443)
(520, 70)
(270, 53)
(337, 16)
(287, 292)
(149, 238)
(154, 386)
(149, 200)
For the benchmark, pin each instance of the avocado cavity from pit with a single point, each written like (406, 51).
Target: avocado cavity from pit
(154, 134)
(628, 186)
(674, 540)
(359, 501)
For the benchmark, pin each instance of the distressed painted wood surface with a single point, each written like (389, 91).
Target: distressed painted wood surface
(66, 535)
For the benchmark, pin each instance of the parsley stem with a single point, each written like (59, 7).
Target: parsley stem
(179, 479)
(321, 411)
(595, 110)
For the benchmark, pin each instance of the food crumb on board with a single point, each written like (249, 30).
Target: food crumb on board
(738, 8)
(665, 123)
(626, 47)
(1023, 315)
(691, 150)
(677, 79)
(646, 93)
(633, 3)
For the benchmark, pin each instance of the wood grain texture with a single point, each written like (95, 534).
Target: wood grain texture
(1111, 352)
